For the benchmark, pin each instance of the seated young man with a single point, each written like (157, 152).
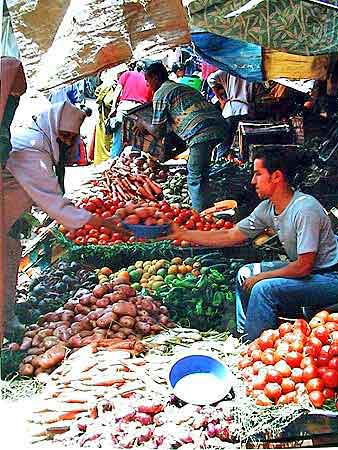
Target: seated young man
(310, 279)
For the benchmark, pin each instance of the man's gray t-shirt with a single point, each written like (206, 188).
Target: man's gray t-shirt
(303, 227)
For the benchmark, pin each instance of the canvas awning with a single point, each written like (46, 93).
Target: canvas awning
(65, 40)
(294, 26)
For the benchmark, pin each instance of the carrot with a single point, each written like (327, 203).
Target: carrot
(154, 186)
(70, 415)
(118, 383)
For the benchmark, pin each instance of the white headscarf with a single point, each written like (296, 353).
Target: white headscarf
(43, 132)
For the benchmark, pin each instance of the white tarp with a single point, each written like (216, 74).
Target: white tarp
(64, 40)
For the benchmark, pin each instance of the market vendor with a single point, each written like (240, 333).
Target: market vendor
(269, 289)
(193, 119)
(235, 97)
(29, 178)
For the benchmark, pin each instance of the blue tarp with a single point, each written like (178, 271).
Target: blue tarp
(236, 57)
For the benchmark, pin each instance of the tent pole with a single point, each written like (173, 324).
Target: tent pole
(322, 3)
(2, 261)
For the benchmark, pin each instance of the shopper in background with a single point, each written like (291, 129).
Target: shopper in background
(131, 91)
(177, 72)
(193, 119)
(235, 96)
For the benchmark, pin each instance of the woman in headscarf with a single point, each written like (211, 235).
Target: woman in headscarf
(33, 175)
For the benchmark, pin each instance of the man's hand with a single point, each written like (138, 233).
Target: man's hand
(175, 232)
(251, 281)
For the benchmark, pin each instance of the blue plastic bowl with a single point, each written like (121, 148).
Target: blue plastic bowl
(201, 363)
(147, 231)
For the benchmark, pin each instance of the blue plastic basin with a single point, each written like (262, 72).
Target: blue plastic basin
(147, 231)
(200, 363)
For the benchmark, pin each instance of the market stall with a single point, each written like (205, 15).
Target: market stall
(125, 333)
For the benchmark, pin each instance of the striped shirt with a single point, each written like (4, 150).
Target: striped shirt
(191, 117)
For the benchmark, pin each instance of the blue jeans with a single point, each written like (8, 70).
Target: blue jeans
(259, 310)
(198, 174)
(117, 147)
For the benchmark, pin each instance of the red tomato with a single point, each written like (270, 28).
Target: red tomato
(257, 365)
(108, 204)
(80, 240)
(90, 207)
(294, 359)
(245, 362)
(92, 240)
(93, 233)
(88, 227)
(287, 385)
(106, 214)
(199, 226)
(333, 350)
(259, 382)
(98, 211)
(209, 218)
(116, 236)
(291, 397)
(283, 368)
(334, 337)
(297, 375)
(333, 317)
(169, 215)
(113, 210)
(317, 398)
(307, 361)
(256, 355)
(313, 346)
(220, 223)
(302, 325)
(322, 359)
(315, 384)
(176, 242)
(310, 372)
(267, 339)
(268, 358)
(207, 227)
(228, 225)
(70, 235)
(274, 376)
(273, 391)
(329, 393)
(321, 371)
(105, 230)
(97, 202)
(331, 326)
(104, 237)
(80, 232)
(323, 315)
(333, 363)
(297, 346)
(263, 400)
(189, 225)
(101, 241)
(330, 378)
(284, 328)
(322, 333)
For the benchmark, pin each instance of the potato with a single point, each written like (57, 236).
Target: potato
(26, 370)
(105, 320)
(125, 309)
(127, 321)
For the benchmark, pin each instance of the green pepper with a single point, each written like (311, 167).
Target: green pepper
(218, 299)
(199, 308)
(202, 282)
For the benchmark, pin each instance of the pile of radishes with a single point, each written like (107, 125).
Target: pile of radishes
(112, 311)
(281, 366)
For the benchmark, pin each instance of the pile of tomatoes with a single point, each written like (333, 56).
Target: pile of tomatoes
(299, 359)
(185, 218)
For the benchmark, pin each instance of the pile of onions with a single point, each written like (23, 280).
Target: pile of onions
(112, 311)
